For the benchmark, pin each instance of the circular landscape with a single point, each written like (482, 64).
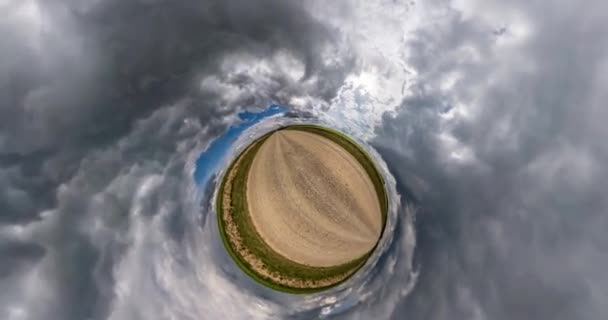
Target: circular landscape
(301, 208)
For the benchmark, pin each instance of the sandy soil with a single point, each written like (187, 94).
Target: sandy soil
(311, 200)
(257, 265)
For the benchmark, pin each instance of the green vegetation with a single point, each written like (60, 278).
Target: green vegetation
(272, 261)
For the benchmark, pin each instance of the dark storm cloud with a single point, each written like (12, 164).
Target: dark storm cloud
(125, 60)
(100, 98)
(501, 143)
(16, 256)
(508, 164)
(137, 54)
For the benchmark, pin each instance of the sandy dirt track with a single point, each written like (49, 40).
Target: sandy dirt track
(312, 201)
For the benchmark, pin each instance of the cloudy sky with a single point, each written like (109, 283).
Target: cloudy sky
(489, 114)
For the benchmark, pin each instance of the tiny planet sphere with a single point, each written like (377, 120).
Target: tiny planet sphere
(301, 209)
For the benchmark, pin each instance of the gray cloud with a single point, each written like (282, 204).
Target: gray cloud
(497, 135)
(506, 162)
(101, 104)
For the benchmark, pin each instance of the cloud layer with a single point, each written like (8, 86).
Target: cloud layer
(501, 141)
(489, 115)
